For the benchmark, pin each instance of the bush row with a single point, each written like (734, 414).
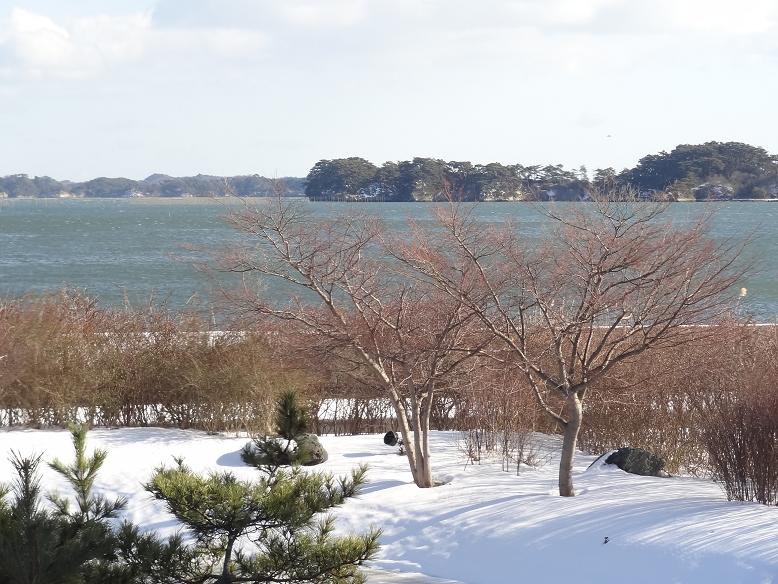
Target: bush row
(710, 408)
(64, 360)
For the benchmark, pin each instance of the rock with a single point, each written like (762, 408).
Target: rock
(392, 438)
(638, 461)
(309, 451)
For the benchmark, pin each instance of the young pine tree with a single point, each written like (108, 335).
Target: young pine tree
(275, 516)
(80, 475)
(38, 546)
(77, 546)
(291, 420)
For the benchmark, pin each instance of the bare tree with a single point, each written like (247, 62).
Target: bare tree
(612, 281)
(353, 306)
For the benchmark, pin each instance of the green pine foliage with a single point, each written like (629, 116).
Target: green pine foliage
(742, 167)
(63, 545)
(143, 558)
(38, 546)
(291, 418)
(267, 454)
(156, 185)
(268, 530)
(80, 475)
(276, 518)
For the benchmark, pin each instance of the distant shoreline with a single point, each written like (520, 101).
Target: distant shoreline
(298, 198)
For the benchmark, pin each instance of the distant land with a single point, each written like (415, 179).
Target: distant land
(156, 185)
(703, 172)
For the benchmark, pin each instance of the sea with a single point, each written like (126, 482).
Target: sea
(151, 250)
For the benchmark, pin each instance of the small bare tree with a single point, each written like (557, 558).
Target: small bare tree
(353, 306)
(612, 281)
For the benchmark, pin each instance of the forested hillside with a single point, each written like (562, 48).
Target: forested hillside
(714, 170)
(156, 185)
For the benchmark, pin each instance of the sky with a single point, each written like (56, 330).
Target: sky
(131, 87)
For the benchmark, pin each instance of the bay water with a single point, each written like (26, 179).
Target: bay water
(137, 250)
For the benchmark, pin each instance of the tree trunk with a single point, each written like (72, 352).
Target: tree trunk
(415, 432)
(226, 575)
(423, 471)
(425, 435)
(569, 440)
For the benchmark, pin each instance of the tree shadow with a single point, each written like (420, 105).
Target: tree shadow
(231, 459)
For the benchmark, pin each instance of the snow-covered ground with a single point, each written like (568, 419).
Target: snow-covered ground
(483, 526)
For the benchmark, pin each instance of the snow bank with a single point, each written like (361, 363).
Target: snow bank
(484, 526)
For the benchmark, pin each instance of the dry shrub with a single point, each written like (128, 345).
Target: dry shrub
(709, 408)
(663, 401)
(62, 360)
(343, 406)
(349, 409)
(739, 422)
(498, 417)
(650, 404)
(742, 442)
(345, 403)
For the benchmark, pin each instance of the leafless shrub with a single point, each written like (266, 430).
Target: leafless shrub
(651, 404)
(343, 407)
(498, 417)
(687, 404)
(65, 360)
(742, 443)
(739, 426)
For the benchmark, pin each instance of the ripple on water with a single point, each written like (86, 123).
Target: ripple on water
(108, 245)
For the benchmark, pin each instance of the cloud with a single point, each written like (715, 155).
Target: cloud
(571, 36)
(36, 45)
(720, 17)
(267, 14)
(199, 43)
(222, 14)
(38, 41)
(556, 13)
(315, 13)
(724, 16)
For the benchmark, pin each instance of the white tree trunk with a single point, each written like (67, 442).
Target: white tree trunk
(421, 423)
(569, 440)
(415, 437)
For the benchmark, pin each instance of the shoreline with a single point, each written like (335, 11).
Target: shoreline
(364, 201)
(303, 198)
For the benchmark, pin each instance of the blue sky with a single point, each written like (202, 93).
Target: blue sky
(131, 87)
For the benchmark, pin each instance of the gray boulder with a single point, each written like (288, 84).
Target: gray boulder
(638, 461)
(309, 451)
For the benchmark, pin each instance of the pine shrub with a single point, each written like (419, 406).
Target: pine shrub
(276, 517)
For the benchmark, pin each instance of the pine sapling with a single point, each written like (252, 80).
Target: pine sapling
(291, 420)
(81, 474)
(291, 417)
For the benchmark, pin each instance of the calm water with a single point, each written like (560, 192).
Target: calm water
(136, 248)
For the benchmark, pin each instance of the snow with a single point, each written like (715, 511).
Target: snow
(483, 526)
